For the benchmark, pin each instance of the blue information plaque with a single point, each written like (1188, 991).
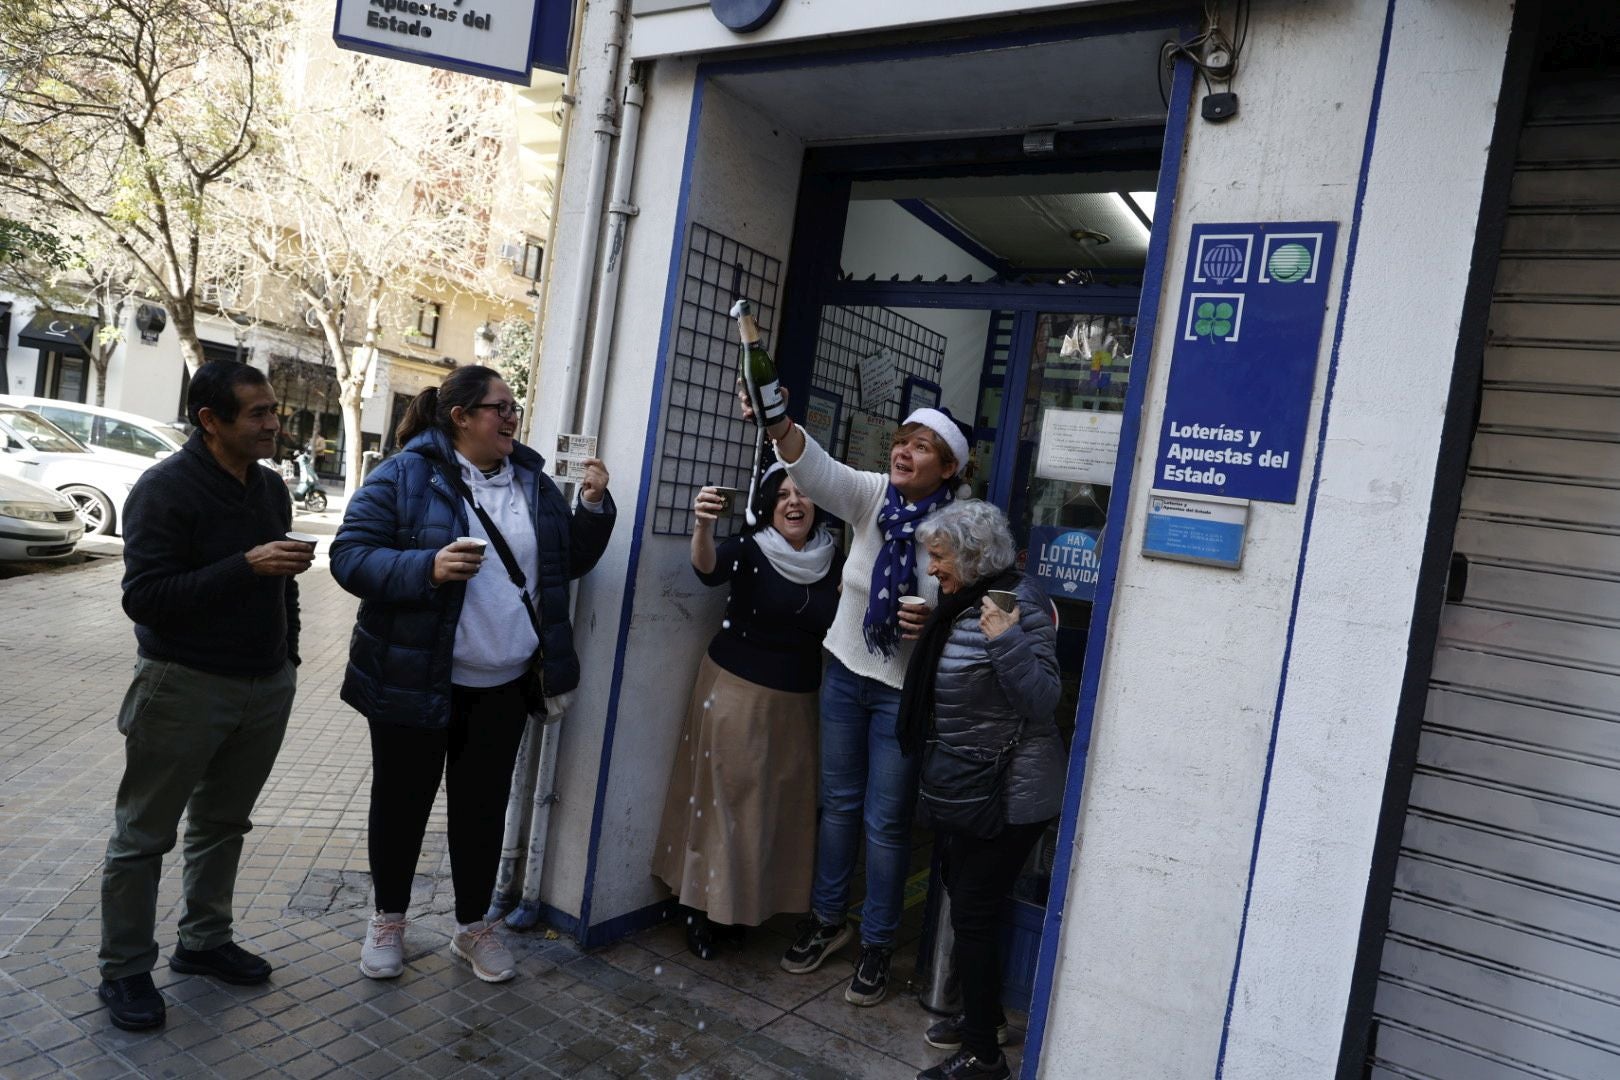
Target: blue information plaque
(1244, 362)
(1205, 530)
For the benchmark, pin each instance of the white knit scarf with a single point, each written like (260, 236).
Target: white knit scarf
(802, 566)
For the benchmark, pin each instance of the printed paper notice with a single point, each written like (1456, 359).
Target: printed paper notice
(880, 378)
(870, 438)
(1079, 445)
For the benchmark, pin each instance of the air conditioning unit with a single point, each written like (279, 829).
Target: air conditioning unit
(512, 252)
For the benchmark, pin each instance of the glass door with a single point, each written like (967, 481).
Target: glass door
(1054, 455)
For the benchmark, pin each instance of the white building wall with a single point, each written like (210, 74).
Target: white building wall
(1402, 319)
(1194, 661)
(744, 184)
(1195, 656)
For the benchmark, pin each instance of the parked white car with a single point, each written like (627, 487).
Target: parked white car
(37, 450)
(110, 433)
(36, 522)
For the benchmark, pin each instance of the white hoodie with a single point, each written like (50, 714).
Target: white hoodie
(495, 639)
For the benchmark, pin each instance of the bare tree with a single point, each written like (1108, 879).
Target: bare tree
(378, 182)
(121, 117)
(70, 274)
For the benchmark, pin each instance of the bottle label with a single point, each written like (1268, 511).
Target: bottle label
(770, 395)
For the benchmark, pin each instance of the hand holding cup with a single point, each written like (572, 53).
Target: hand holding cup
(281, 558)
(914, 612)
(998, 612)
(458, 561)
(710, 504)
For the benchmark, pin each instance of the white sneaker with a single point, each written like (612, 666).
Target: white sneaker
(478, 945)
(383, 955)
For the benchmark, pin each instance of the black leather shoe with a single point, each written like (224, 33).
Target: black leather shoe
(133, 1002)
(229, 963)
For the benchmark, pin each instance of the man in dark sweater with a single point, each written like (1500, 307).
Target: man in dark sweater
(209, 580)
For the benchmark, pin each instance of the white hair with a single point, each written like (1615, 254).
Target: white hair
(976, 532)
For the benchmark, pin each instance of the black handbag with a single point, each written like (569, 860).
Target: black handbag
(963, 788)
(534, 687)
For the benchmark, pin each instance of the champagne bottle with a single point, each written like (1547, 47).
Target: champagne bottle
(758, 373)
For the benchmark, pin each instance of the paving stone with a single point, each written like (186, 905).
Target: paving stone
(303, 898)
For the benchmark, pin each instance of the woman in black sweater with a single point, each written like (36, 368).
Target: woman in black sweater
(739, 825)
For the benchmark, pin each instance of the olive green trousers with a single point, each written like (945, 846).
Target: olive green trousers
(201, 744)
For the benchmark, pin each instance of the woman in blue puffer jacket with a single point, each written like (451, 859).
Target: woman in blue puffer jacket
(442, 655)
(981, 687)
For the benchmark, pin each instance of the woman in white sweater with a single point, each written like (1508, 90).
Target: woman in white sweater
(865, 778)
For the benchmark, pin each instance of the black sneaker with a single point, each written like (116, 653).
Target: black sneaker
(947, 1034)
(229, 963)
(964, 1066)
(871, 979)
(133, 1002)
(816, 941)
(699, 936)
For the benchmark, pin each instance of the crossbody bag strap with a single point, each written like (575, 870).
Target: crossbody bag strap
(502, 549)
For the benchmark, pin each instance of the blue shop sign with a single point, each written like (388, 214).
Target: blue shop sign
(1066, 561)
(1254, 300)
(495, 39)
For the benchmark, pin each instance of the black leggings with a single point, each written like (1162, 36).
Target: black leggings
(978, 875)
(475, 756)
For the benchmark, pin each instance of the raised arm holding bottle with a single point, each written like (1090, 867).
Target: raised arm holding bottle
(866, 780)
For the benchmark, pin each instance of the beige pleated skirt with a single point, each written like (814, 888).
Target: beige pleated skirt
(738, 838)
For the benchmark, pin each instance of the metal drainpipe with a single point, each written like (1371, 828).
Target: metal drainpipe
(620, 211)
(516, 835)
(527, 913)
(536, 788)
(591, 226)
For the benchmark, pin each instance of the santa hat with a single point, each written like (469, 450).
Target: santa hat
(942, 423)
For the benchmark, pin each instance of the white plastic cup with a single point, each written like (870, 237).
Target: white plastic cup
(913, 602)
(480, 544)
(304, 538)
(1003, 599)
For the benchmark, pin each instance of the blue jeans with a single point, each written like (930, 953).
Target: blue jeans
(864, 778)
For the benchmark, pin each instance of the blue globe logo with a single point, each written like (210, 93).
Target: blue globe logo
(1222, 262)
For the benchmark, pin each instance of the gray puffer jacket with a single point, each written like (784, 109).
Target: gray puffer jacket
(984, 686)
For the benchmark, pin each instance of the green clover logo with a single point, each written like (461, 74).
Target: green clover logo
(1213, 320)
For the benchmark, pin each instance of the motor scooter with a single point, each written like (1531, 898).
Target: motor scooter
(303, 484)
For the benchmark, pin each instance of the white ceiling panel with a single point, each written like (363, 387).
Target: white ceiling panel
(1088, 81)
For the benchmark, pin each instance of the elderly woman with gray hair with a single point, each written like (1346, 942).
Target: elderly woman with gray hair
(978, 701)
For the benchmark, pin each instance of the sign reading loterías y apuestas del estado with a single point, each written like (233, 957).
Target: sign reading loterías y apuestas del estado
(1244, 362)
(496, 39)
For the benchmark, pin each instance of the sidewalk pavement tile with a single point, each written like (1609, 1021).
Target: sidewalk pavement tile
(642, 1008)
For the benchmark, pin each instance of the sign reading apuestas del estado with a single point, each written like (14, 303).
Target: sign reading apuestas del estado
(1254, 300)
(497, 39)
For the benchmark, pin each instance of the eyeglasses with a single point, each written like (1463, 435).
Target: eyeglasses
(503, 409)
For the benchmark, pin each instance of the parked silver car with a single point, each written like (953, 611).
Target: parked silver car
(36, 522)
(121, 436)
(32, 448)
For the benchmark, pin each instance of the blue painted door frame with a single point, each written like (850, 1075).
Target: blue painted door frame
(814, 280)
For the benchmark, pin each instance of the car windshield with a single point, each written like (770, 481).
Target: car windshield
(130, 438)
(40, 434)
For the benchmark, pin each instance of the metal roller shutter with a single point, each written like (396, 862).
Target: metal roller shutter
(1502, 957)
